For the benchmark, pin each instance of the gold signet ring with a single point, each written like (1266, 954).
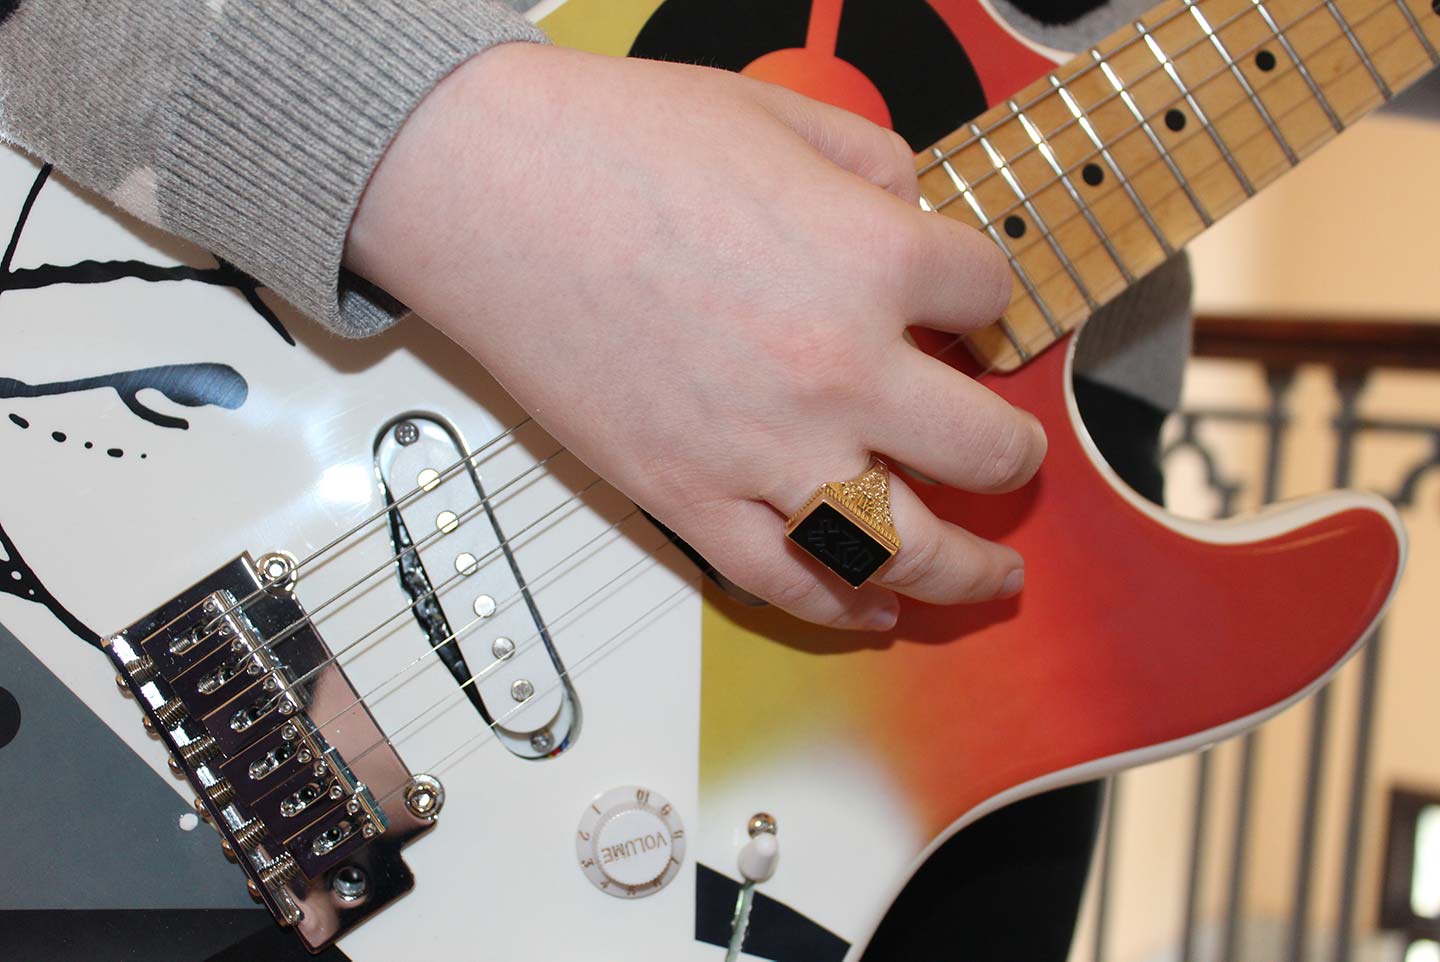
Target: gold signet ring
(846, 525)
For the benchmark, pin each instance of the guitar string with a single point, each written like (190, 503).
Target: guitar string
(586, 661)
(310, 618)
(344, 536)
(293, 575)
(535, 640)
(1256, 9)
(461, 575)
(650, 560)
(1046, 336)
(440, 532)
(1265, 133)
(532, 586)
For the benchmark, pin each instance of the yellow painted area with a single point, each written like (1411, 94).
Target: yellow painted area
(607, 26)
(770, 684)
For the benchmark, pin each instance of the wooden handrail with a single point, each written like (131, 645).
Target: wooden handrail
(1344, 342)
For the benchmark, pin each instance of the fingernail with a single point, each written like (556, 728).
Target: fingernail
(883, 619)
(1014, 581)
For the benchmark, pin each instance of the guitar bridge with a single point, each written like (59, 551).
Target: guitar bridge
(285, 759)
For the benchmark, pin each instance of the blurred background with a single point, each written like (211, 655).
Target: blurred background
(1317, 364)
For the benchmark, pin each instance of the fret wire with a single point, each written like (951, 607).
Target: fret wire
(1117, 93)
(1104, 152)
(1008, 176)
(1124, 45)
(1419, 31)
(989, 228)
(1080, 203)
(1174, 75)
(1244, 82)
(1079, 118)
(1359, 50)
(1251, 139)
(1299, 63)
(1041, 341)
(1155, 141)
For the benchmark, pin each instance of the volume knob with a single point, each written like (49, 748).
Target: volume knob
(631, 842)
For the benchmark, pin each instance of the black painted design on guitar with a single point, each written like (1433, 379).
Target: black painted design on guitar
(101, 272)
(9, 717)
(189, 385)
(17, 578)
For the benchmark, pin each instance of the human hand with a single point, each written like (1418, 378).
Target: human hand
(700, 284)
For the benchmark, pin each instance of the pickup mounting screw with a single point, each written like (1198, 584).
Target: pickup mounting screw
(228, 851)
(200, 808)
(175, 767)
(254, 890)
(407, 433)
(350, 883)
(542, 742)
(522, 689)
(122, 685)
(277, 571)
(424, 796)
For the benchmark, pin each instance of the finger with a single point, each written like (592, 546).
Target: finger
(745, 541)
(951, 428)
(951, 277)
(847, 140)
(942, 563)
(938, 562)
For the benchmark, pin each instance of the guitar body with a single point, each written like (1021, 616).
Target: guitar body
(1138, 635)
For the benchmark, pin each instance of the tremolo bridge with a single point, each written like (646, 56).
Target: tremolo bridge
(284, 758)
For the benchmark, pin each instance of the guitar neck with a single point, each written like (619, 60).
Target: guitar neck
(1098, 172)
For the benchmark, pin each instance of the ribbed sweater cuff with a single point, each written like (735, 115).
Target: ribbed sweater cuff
(286, 112)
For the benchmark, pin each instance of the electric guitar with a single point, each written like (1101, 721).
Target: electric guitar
(396, 642)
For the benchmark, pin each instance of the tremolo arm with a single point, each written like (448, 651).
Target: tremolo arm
(284, 758)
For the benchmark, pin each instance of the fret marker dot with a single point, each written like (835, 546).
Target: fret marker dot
(1175, 120)
(1015, 226)
(1265, 60)
(1093, 175)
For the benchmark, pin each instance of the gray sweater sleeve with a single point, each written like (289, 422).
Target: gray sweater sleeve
(248, 126)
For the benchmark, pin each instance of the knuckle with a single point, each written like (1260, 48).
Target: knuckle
(913, 565)
(1010, 457)
(793, 592)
